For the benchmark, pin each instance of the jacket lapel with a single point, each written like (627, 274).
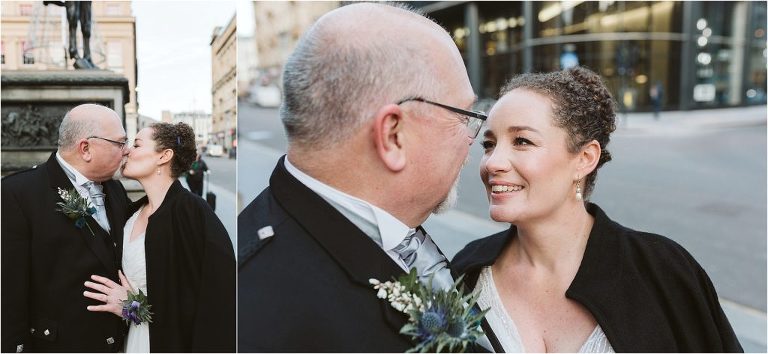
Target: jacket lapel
(115, 217)
(58, 179)
(355, 252)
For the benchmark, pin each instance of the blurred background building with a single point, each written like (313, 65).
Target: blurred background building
(224, 85)
(247, 63)
(144, 122)
(689, 55)
(34, 38)
(197, 119)
(278, 27)
(668, 55)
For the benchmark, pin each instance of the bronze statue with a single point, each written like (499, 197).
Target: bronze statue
(78, 11)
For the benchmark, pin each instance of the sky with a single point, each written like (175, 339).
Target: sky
(246, 21)
(174, 53)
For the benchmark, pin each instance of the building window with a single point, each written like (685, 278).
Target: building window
(113, 10)
(25, 9)
(27, 57)
(754, 90)
(115, 56)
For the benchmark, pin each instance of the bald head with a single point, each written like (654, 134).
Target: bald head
(83, 121)
(356, 59)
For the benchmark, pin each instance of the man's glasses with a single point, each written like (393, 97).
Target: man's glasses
(475, 119)
(120, 144)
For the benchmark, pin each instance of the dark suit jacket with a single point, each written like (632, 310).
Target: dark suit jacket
(45, 261)
(647, 293)
(306, 288)
(190, 276)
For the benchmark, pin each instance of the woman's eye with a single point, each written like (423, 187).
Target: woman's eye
(487, 144)
(522, 141)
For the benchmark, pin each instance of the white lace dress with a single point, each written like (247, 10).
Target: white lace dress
(135, 269)
(505, 328)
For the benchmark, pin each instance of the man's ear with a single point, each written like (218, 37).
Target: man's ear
(84, 150)
(589, 155)
(388, 136)
(165, 156)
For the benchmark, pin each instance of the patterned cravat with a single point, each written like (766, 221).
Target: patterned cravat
(97, 198)
(417, 251)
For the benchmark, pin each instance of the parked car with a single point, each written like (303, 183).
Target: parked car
(265, 96)
(214, 150)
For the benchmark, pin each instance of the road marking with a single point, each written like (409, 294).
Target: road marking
(258, 135)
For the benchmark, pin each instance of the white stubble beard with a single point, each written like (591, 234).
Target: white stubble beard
(450, 199)
(453, 195)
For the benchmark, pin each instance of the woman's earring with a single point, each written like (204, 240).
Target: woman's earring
(579, 196)
(158, 172)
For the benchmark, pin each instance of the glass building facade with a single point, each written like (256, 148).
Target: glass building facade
(692, 55)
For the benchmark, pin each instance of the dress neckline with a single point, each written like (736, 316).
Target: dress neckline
(132, 221)
(509, 323)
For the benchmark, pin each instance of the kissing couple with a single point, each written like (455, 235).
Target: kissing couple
(85, 269)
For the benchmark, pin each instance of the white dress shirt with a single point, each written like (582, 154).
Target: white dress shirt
(79, 180)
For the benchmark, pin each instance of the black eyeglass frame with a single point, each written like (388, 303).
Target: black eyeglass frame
(120, 144)
(471, 114)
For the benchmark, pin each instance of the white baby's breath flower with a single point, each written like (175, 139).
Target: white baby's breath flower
(382, 294)
(396, 291)
(398, 306)
(374, 281)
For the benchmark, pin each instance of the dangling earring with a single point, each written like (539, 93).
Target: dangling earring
(578, 189)
(158, 172)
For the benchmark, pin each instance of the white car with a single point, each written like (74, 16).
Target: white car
(214, 150)
(266, 96)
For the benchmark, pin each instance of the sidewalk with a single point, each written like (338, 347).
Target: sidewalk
(689, 122)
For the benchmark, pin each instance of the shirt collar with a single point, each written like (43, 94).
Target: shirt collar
(71, 172)
(386, 229)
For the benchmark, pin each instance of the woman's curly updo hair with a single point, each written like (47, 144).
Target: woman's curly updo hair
(180, 138)
(582, 105)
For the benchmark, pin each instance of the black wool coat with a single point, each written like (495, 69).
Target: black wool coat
(646, 292)
(306, 287)
(46, 260)
(190, 276)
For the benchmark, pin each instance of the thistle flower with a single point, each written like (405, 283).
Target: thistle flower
(75, 207)
(438, 320)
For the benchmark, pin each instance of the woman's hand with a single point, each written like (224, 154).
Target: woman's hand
(109, 292)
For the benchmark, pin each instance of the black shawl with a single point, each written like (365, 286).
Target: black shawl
(647, 293)
(190, 276)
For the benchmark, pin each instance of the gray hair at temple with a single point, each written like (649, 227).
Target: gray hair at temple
(337, 78)
(72, 130)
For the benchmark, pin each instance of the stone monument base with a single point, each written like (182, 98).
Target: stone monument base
(34, 103)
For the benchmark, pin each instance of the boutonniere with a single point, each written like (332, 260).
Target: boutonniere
(136, 308)
(76, 208)
(438, 319)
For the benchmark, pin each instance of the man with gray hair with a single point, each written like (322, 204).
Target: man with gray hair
(47, 256)
(376, 108)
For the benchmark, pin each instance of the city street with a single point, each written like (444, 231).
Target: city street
(222, 182)
(702, 186)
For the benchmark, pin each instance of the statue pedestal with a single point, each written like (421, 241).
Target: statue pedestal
(34, 103)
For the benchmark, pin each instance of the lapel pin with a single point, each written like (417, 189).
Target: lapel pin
(265, 232)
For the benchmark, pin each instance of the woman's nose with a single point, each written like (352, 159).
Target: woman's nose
(497, 161)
